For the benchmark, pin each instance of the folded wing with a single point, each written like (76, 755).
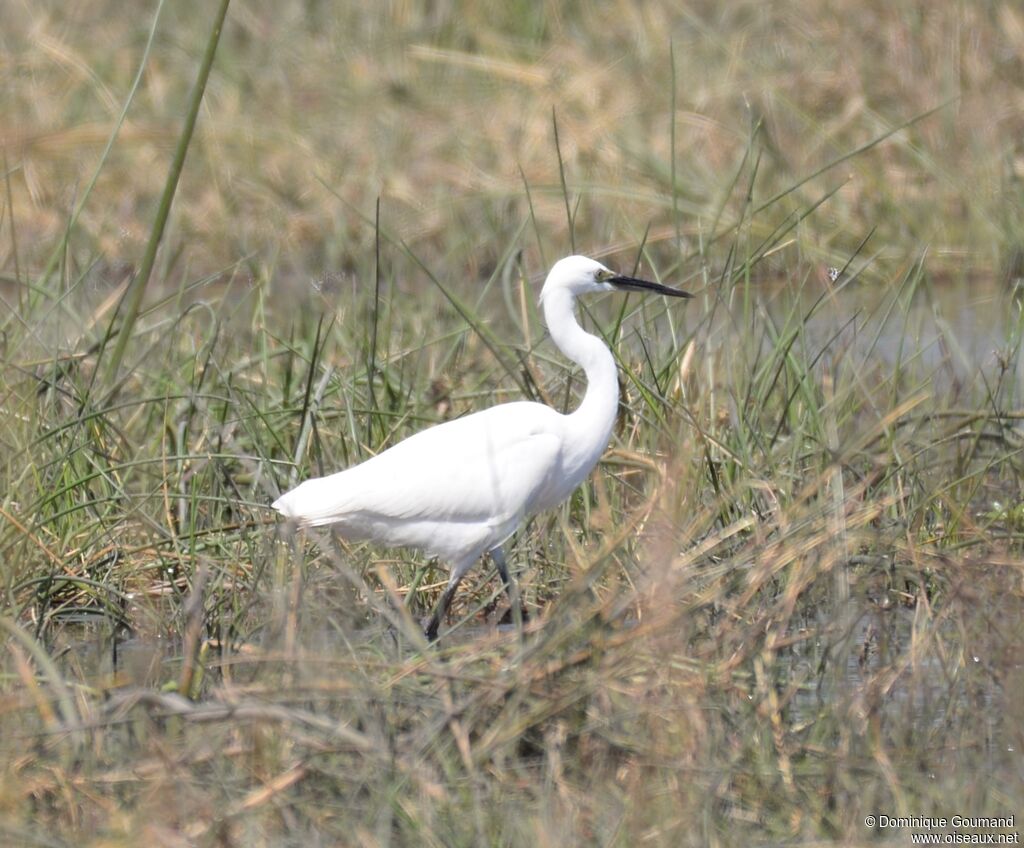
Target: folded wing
(477, 475)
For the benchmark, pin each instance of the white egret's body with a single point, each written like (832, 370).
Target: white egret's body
(459, 489)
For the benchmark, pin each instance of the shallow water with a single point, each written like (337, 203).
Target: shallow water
(951, 330)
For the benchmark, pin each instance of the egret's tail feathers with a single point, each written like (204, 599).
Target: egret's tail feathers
(284, 506)
(313, 504)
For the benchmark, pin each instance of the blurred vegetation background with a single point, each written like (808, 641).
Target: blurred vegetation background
(444, 110)
(791, 596)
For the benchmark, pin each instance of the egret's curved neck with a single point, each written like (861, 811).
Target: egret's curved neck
(593, 420)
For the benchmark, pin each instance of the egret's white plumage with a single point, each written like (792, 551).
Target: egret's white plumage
(459, 489)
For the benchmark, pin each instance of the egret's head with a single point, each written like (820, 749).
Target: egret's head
(580, 274)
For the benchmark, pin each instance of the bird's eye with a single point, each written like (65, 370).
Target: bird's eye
(601, 274)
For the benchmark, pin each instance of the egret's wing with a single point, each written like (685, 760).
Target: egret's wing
(485, 468)
(462, 474)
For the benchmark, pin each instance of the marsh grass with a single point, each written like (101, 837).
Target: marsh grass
(790, 596)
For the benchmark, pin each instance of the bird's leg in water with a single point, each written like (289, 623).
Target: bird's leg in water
(511, 587)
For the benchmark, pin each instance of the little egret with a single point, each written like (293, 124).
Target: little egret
(459, 489)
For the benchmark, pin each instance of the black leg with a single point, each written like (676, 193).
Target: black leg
(430, 631)
(511, 588)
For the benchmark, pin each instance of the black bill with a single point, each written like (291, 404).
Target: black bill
(625, 283)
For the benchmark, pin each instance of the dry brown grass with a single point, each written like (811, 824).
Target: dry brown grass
(442, 114)
(791, 597)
